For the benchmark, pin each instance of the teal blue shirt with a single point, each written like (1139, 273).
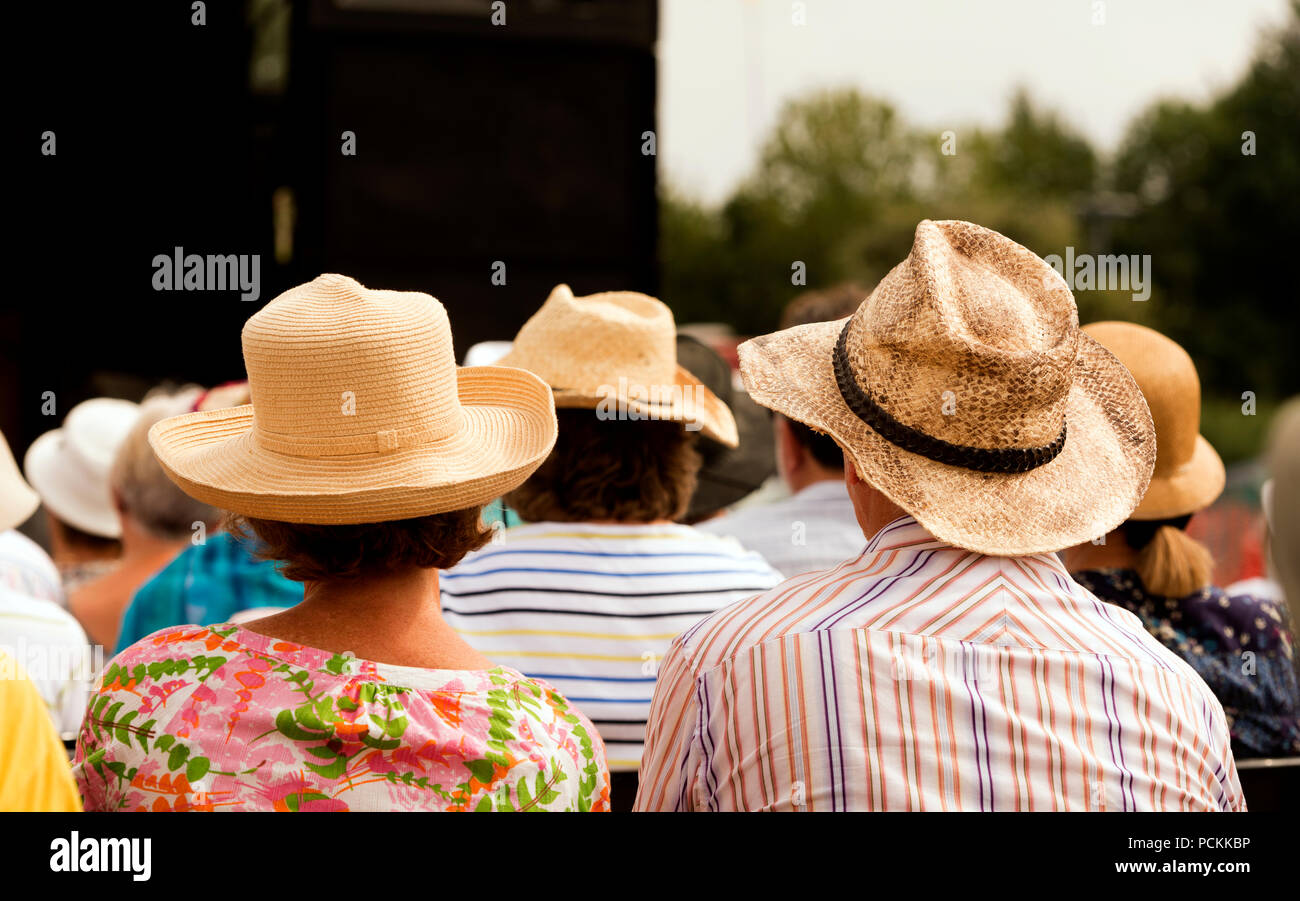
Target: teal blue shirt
(208, 583)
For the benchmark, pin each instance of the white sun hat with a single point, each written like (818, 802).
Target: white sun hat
(17, 500)
(69, 466)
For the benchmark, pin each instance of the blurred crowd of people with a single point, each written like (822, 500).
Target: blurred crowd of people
(927, 549)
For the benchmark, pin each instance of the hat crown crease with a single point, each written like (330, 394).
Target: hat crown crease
(968, 341)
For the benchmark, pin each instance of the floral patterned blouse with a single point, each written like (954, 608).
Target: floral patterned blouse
(221, 718)
(1240, 645)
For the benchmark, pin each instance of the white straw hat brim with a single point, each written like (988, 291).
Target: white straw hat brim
(690, 402)
(1091, 487)
(17, 500)
(508, 428)
(68, 489)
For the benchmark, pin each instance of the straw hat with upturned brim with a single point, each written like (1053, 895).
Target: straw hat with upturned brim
(616, 353)
(1189, 474)
(358, 415)
(964, 390)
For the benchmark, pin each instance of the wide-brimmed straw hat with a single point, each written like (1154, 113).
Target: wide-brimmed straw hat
(1189, 474)
(69, 466)
(359, 414)
(963, 389)
(616, 353)
(17, 499)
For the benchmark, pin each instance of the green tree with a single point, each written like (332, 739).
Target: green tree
(1219, 220)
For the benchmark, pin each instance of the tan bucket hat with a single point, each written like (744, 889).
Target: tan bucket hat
(17, 499)
(616, 353)
(1188, 474)
(963, 389)
(359, 415)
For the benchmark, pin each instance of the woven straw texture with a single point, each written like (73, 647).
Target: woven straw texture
(619, 347)
(358, 415)
(1189, 473)
(974, 341)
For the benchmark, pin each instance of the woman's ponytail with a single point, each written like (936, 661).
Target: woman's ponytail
(1174, 564)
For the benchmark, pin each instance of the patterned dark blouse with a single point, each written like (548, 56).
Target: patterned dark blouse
(1240, 645)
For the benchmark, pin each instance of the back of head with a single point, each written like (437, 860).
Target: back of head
(617, 470)
(823, 305)
(821, 447)
(1188, 474)
(826, 305)
(142, 487)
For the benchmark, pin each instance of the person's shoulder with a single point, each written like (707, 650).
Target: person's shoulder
(176, 642)
(15, 542)
(522, 690)
(42, 612)
(20, 699)
(729, 631)
(1246, 613)
(752, 521)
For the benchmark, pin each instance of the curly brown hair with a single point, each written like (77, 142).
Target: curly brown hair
(622, 470)
(313, 553)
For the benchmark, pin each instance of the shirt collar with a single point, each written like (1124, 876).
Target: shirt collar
(904, 531)
(825, 489)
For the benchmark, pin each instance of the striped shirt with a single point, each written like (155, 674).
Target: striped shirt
(920, 676)
(591, 609)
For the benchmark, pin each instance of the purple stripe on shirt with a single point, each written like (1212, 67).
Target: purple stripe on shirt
(1119, 741)
(876, 590)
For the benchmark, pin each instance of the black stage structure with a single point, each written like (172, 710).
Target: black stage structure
(477, 146)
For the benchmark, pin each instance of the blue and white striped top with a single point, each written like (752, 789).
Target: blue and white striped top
(593, 608)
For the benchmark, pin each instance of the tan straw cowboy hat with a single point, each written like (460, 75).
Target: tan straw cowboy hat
(359, 415)
(1189, 474)
(963, 389)
(616, 353)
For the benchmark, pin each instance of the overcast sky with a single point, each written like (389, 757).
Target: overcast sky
(726, 66)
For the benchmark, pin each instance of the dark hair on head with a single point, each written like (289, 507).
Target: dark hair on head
(822, 446)
(1139, 532)
(827, 305)
(314, 553)
(622, 470)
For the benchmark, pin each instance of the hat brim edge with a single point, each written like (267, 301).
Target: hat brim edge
(714, 418)
(504, 409)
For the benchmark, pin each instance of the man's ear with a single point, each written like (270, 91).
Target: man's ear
(851, 476)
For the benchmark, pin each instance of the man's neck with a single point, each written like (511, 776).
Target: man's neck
(138, 543)
(807, 476)
(1115, 553)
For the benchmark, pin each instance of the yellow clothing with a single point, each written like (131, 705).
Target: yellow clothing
(34, 770)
